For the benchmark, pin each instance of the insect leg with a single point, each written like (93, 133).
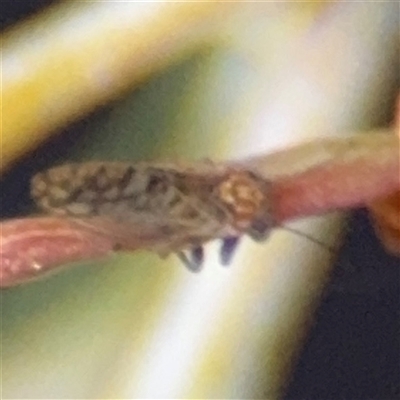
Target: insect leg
(228, 247)
(196, 260)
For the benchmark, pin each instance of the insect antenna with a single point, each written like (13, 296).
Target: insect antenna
(329, 248)
(348, 265)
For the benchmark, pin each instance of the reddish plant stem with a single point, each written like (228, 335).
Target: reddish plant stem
(32, 247)
(333, 187)
(325, 175)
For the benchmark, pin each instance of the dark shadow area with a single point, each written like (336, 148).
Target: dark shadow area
(14, 185)
(13, 11)
(353, 350)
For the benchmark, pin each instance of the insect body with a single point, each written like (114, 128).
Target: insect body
(186, 205)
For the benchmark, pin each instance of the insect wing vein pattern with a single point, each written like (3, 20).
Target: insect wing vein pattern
(186, 205)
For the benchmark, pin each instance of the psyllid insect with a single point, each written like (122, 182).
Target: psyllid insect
(187, 205)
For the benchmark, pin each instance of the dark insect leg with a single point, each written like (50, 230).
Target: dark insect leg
(196, 260)
(228, 247)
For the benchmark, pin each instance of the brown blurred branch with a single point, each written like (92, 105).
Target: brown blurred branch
(385, 212)
(324, 175)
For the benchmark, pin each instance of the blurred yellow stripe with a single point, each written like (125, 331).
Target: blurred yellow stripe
(74, 57)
